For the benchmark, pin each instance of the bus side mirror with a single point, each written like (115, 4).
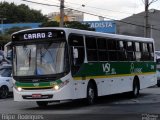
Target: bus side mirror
(75, 53)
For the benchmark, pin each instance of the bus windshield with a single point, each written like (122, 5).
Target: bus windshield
(39, 59)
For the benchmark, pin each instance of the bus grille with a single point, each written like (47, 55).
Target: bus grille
(42, 97)
(37, 88)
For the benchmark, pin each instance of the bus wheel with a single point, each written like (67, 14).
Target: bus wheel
(135, 91)
(91, 93)
(42, 103)
(4, 92)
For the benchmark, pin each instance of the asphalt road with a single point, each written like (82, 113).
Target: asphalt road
(113, 107)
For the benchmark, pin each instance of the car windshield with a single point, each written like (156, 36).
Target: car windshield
(39, 59)
(5, 72)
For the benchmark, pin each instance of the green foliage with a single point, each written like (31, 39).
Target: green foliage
(6, 37)
(49, 24)
(78, 25)
(72, 24)
(15, 29)
(20, 13)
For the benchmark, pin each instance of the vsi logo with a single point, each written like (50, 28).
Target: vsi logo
(106, 67)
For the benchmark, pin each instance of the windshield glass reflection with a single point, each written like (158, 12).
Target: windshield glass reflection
(40, 59)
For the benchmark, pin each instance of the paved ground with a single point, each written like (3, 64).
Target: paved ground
(148, 95)
(113, 107)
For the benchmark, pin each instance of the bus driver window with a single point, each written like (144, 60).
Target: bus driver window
(77, 52)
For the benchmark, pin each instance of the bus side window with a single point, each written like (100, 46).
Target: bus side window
(130, 51)
(76, 44)
(145, 52)
(91, 46)
(112, 49)
(102, 49)
(150, 46)
(138, 51)
(122, 55)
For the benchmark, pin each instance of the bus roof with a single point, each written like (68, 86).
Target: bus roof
(93, 33)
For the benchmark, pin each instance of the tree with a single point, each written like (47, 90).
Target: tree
(7, 36)
(14, 29)
(49, 24)
(68, 24)
(20, 13)
(78, 25)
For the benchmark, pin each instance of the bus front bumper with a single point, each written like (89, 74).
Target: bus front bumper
(42, 95)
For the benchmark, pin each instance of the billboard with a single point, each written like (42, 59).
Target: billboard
(102, 26)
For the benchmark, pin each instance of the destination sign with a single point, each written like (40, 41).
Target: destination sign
(38, 34)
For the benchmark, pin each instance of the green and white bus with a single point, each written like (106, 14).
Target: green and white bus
(56, 64)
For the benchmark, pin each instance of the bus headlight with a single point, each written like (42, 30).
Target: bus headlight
(58, 86)
(19, 89)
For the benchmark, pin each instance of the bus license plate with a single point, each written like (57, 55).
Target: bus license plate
(36, 95)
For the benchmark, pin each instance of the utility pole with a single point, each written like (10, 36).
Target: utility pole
(146, 19)
(61, 23)
(146, 25)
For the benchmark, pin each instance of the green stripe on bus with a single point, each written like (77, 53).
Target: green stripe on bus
(111, 76)
(113, 69)
(37, 84)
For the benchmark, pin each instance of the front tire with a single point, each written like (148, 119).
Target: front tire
(91, 94)
(4, 91)
(158, 83)
(42, 103)
(136, 88)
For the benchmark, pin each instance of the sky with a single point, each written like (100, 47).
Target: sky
(112, 9)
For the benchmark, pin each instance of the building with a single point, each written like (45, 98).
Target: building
(136, 27)
(69, 15)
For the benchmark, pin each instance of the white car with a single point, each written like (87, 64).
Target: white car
(6, 85)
